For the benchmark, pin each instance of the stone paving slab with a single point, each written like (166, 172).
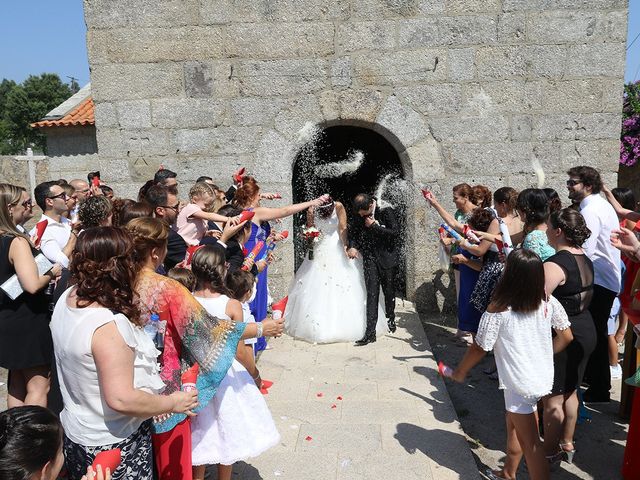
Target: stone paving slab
(347, 412)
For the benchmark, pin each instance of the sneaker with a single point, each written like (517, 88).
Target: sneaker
(616, 371)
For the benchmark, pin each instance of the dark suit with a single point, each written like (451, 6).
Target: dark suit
(176, 250)
(377, 245)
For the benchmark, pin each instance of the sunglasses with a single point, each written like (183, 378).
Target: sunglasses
(573, 183)
(28, 203)
(60, 195)
(175, 208)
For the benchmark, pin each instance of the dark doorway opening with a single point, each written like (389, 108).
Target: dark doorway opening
(344, 161)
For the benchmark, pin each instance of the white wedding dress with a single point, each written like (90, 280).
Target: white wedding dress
(327, 297)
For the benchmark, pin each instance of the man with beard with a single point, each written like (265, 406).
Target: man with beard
(584, 187)
(166, 206)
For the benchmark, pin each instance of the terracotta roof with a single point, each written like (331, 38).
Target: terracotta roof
(82, 115)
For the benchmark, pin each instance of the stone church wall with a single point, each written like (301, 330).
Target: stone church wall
(465, 90)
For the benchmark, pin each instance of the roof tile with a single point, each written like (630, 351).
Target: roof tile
(82, 115)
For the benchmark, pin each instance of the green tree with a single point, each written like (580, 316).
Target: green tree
(23, 104)
(5, 132)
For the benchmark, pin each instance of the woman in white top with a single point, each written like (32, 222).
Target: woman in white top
(517, 327)
(106, 363)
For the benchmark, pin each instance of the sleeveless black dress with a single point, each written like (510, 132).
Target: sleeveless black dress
(575, 296)
(25, 338)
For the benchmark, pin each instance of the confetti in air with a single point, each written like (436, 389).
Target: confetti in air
(337, 169)
(535, 164)
(308, 133)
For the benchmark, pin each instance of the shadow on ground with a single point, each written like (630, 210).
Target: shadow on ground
(480, 408)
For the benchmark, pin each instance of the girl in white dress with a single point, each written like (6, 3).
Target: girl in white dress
(517, 326)
(237, 424)
(327, 297)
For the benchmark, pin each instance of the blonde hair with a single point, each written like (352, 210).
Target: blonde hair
(10, 195)
(200, 189)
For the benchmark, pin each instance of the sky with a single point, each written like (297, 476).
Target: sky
(38, 36)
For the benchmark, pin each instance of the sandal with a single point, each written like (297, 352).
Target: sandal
(492, 475)
(568, 454)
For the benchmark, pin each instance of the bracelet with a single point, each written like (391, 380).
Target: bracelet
(260, 328)
(257, 376)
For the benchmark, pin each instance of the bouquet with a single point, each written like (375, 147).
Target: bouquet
(311, 236)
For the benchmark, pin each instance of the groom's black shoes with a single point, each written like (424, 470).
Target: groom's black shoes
(391, 323)
(365, 341)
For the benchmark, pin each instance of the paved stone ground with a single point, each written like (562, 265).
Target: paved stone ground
(480, 407)
(394, 420)
(397, 419)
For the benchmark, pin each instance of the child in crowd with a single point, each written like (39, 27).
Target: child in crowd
(192, 219)
(236, 424)
(517, 326)
(31, 445)
(242, 287)
(184, 276)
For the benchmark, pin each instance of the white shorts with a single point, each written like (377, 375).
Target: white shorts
(613, 317)
(515, 403)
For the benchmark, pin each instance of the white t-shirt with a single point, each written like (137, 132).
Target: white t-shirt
(601, 219)
(522, 346)
(86, 418)
(54, 239)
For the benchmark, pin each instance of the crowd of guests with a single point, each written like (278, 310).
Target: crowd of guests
(553, 311)
(140, 291)
(135, 294)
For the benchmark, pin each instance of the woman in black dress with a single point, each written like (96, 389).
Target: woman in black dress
(26, 349)
(569, 278)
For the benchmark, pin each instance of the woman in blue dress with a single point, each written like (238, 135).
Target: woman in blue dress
(248, 197)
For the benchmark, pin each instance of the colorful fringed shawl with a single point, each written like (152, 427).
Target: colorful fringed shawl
(192, 335)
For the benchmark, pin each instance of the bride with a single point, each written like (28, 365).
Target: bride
(327, 297)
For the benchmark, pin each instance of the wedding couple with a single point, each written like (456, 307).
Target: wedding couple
(336, 296)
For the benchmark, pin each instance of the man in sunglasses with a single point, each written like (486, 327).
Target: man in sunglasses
(166, 206)
(58, 239)
(584, 185)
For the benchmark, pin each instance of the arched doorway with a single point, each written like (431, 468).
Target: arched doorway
(343, 161)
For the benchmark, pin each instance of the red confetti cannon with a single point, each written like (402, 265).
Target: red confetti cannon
(108, 459)
(189, 378)
(251, 258)
(278, 308)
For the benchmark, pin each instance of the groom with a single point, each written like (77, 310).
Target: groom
(373, 235)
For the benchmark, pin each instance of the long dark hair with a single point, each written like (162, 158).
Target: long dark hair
(572, 224)
(103, 270)
(625, 197)
(30, 437)
(508, 196)
(555, 203)
(535, 205)
(521, 285)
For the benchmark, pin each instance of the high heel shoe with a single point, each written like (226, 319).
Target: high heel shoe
(568, 454)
